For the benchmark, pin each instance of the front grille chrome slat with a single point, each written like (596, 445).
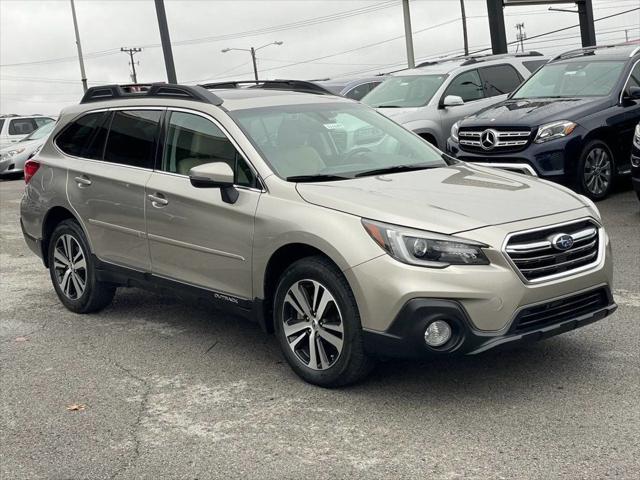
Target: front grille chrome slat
(534, 255)
(505, 140)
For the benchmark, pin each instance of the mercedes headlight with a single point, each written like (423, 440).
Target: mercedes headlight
(551, 131)
(426, 249)
(636, 137)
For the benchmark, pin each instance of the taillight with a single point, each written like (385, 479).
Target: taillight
(30, 169)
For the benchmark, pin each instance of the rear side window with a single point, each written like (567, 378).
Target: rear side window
(533, 65)
(500, 79)
(132, 138)
(22, 126)
(467, 86)
(85, 137)
(1, 125)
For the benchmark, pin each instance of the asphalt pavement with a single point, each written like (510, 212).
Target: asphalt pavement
(156, 387)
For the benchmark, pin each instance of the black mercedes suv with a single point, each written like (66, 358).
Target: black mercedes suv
(572, 121)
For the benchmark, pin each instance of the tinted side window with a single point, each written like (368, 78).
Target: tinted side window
(500, 79)
(357, 92)
(85, 137)
(193, 140)
(533, 65)
(132, 137)
(1, 125)
(22, 126)
(467, 85)
(634, 78)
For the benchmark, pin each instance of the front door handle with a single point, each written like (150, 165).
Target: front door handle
(83, 181)
(158, 200)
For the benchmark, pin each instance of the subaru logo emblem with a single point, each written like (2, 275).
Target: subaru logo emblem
(562, 242)
(488, 139)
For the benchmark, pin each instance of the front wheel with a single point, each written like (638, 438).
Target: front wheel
(596, 170)
(73, 273)
(318, 325)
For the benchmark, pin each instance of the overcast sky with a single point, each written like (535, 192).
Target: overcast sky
(39, 70)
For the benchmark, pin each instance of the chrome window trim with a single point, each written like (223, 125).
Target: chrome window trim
(626, 82)
(549, 278)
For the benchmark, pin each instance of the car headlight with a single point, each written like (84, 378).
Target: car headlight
(636, 137)
(454, 131)
(426, 249)
(551, 131)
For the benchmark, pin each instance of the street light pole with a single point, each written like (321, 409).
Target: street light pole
(464, 28)
(75, 27)
(252, 51)
(166, 41)
(411, 62)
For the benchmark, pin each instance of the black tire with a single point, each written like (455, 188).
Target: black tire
(586, 182)
(351, 364)
(95, 295)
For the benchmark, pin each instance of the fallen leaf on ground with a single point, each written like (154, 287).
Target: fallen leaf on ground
(21, 339)
(76, 407)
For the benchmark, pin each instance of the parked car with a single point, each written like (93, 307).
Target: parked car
(635, 161)
(431, 98)
(14, 128)
(243, 197)
(13, 157)
(353, 88)
(572, 121)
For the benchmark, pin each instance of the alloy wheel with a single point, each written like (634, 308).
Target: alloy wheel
(70, 266)
(312, 324)
(597, 171)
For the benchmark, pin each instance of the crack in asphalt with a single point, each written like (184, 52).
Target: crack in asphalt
(138, 422)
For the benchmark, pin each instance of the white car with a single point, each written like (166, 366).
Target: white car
(13, 156)
(14, 128)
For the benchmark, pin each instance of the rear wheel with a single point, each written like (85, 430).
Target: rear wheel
(596, 170)
(73, 272)
(318, 326)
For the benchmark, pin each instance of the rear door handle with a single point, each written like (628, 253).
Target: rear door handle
(83, 181)
(158, 200)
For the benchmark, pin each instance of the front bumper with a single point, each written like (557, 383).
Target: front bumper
(556, 159)
(405, 336)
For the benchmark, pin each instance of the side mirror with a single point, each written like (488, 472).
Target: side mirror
(452, 101)
(215, 175)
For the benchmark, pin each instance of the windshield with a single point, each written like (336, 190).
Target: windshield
(334, 141)
(41, 132)
(573, 79)
(406, 91)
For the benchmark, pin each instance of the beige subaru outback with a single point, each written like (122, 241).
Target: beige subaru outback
(348, 236)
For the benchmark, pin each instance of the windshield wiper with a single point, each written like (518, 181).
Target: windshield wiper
(315, 178)
(395, 169)
(389, 106)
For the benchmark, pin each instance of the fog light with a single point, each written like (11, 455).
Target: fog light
(437, 333)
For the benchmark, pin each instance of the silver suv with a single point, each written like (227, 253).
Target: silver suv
(326, 222)
(14, 128)
(429, 99)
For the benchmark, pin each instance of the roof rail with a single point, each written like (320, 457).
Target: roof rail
(577, 52)
(292, 85)
(150, 90)
(471, 59)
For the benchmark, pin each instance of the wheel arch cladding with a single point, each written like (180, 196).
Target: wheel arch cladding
(279, 261)
(52, 218)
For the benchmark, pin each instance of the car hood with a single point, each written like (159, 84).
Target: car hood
(534, 112)
(401, 115)
(30, 146)
(446, 200)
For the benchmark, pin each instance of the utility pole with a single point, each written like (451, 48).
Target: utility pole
(255, 65)
(131, 52)
(411, 62)
(75, 26)
(166, 41)
(521, 35)
(464, 28)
